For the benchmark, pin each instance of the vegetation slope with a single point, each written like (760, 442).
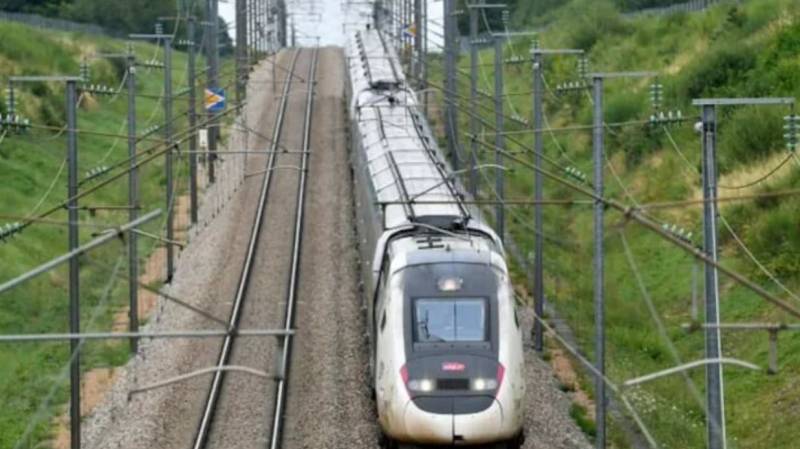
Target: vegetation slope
(750, 49)
(33, 379)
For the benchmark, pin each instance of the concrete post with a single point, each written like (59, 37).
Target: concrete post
(74, 265)
(133, 204)
(168, 139)
(473, 99)
(192, 80)
(538, 196)
(599, 274)
(500, 140)
(716, 415)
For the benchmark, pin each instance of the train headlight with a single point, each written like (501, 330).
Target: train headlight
(483, 384)
(423, 385)
(450, 284)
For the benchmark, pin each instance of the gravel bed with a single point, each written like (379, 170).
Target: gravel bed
(547, 421)
(244, 412)
(206, 277)
(329, 403)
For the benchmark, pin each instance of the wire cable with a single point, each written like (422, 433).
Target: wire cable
(43, 410)
(755, 260)
(656, 317)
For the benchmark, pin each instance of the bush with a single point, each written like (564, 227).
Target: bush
(720, 71)
(779, 66)
(749, 134)
(588, 21)
(774, 242)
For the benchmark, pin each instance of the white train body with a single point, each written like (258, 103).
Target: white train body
(446, 345)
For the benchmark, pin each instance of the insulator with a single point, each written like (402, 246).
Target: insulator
(9, 229)
(11, 102)
(85, 73)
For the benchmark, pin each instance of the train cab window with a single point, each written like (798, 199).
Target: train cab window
(449, 320)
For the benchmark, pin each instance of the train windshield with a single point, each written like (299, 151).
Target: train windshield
(445, 320)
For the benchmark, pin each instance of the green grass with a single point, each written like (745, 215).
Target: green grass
(749, 50)
(586, 424)
(29, 163)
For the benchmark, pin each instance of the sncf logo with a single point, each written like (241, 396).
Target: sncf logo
(453, 366)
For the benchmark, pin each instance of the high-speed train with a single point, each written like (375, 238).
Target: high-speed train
(446, 350)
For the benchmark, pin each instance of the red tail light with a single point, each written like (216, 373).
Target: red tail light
(404, 374)
(501, 373)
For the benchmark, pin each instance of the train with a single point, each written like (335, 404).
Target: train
(445, 341)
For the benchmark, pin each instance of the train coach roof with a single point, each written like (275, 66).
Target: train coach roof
(408, 175)
(429, 249)
(373, 62)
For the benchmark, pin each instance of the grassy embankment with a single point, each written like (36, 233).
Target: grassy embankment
(29, 164)
(750, 50)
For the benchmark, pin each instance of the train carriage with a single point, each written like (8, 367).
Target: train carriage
(446, 358)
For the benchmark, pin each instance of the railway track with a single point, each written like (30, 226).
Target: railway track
(254, 260)
(291, 293)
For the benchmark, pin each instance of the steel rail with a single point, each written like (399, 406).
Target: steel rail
(291, 294)
(204, 427)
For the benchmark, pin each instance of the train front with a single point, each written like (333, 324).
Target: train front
(459, 364)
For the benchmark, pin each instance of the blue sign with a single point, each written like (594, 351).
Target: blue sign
(215, 100)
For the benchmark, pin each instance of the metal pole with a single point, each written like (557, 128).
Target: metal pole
(599, 300)
(74, 266)
(259, 21)
(168, 155)
(250, 31)
(424, 56)
(241, 50)
(407, 24)
(715, 420)
(538, 220)
(263, 14)
(133, 203)
(450, 69)
(473, 100)
(417, 59)
(212, 50)
(256, 21)
(500, 139)
(192, 119)
(283, 19)
(294, 34)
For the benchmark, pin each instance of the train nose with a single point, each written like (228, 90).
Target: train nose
(457, 420)
(428, 428)
(477, 428)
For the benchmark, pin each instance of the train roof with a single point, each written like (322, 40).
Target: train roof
(374, 62)
(412, 183)
(426, 249)
(410, 179)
